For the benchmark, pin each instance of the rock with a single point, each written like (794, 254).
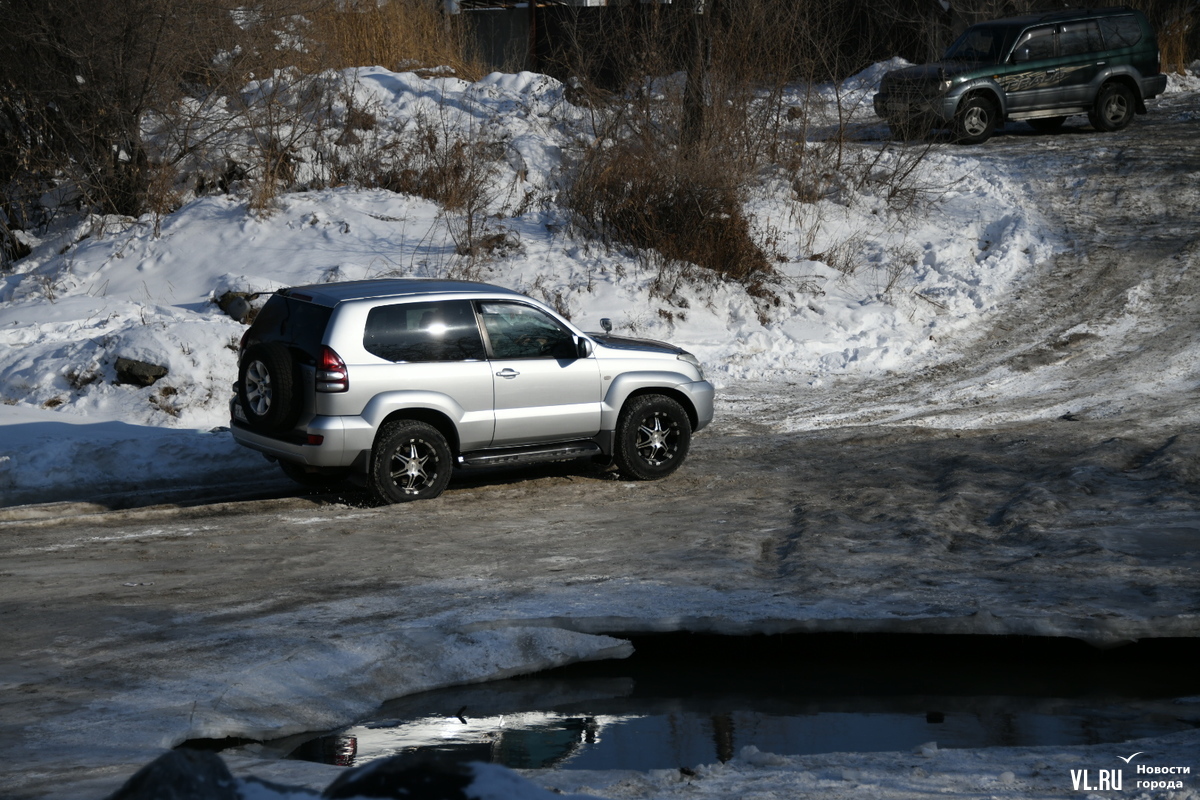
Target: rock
(237, 305)
(138, 373)
(181, 775)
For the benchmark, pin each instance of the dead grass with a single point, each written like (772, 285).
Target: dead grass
(401, 35)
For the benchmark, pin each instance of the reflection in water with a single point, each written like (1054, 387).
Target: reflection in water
(680, 708)
(670, 733)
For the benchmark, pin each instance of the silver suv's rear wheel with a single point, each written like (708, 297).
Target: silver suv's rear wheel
(411, 461)
(653, 436)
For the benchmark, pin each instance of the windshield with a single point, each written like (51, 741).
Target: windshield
(983, 43)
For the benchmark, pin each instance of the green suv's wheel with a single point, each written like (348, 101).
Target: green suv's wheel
(1114, 107)
(266, 388)
(411, 461)
(653, 435)
(1047, 124)
(975, 120)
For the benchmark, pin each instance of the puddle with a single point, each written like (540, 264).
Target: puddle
(684, 700)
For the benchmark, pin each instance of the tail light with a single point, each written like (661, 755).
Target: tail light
(331, 372)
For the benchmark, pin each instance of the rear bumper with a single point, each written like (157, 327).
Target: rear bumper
(324, 441)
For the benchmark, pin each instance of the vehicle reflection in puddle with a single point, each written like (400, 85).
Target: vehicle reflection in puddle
(681, 702)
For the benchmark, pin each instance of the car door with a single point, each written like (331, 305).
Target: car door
(543, 390)
(1032, 80)
(433, 352)
(1080, 51)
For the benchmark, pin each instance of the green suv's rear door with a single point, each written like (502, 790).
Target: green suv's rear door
(1080, 53)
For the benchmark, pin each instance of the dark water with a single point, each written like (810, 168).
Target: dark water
(684, 700)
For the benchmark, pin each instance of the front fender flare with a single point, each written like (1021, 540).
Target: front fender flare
(630, 383)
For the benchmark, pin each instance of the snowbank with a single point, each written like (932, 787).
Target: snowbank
(868, 288)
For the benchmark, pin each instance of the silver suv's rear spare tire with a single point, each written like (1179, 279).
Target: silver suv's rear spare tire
(411, 461)
(653, 436)
(266, 387)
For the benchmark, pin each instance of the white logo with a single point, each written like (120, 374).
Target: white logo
(1107, 780)
(1112, 780)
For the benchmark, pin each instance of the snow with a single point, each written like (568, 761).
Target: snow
(105, 288)
(99, 289)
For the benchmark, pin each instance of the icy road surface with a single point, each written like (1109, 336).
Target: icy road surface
(1044, 480)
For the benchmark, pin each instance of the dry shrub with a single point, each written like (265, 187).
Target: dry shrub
(671, 165)
(400, 35)
(688, 209)
(1178, 34)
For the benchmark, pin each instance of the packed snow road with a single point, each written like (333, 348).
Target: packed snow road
(1044, 480)
(147, 628)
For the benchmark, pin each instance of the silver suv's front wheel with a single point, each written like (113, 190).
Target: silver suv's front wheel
(653, 436)
(411, 461)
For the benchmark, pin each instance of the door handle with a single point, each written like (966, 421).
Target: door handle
(507, 372)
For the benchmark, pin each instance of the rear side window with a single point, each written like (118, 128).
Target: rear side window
(438, 331)
(1079, 38)
(1121, 31)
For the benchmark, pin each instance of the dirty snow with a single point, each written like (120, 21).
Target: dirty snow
(96, 290)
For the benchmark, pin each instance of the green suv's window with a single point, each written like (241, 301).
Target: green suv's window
(1121, 31)
(444, 331)
(1035, 44)
(1079, 38)
(982, 43)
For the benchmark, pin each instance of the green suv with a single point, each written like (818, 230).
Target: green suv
(1039, 68)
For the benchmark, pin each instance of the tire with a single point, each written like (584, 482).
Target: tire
(1115, 105)
(653, 436)
(324, 479)
(1047, 124)
(267, 388)
(975, 120)
(411, 461)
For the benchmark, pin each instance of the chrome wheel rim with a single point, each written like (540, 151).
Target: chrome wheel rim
(413, 466)
(975, 121)
(258, 388)
(1115, 109)
(657, 439)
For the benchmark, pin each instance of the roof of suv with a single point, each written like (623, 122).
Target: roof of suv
(330, 294)
(1062, 16)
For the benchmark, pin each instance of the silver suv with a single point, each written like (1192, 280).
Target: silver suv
(395, 382)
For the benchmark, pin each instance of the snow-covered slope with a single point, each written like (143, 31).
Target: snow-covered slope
(101, 289)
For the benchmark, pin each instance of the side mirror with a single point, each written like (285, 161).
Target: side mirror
(1021, 55)
(583, 348)
(606, 323)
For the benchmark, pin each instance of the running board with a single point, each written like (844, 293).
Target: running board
(526, 455)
